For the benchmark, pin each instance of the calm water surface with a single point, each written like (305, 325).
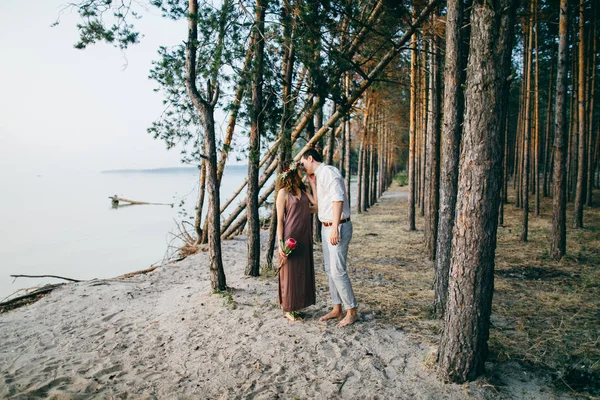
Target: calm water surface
(63, 224)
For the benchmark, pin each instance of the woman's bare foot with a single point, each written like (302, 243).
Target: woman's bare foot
(334, 314)
(350, 318)
(292, 316)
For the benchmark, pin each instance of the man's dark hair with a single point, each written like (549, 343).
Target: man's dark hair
(315, 155)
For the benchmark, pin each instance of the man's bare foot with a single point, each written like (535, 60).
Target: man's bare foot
(335, 314)
(350, 318)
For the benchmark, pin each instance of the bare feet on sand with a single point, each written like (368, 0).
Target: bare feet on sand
(335, 314)
(350, 318)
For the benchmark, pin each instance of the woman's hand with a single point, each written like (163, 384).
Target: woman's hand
(280, 252)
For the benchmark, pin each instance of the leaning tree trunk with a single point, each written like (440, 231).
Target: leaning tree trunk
(433, 153)
(463, 346)
(559, 201)
(256, 127)
(579, 193)
(206, 110)
(200, 205)
(453, 113)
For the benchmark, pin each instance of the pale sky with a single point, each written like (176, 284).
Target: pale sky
(62, 108)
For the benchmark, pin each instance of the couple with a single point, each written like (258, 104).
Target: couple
(330, 200)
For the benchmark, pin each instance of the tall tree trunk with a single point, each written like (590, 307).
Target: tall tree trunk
(433, 126)
(348, 145)
(256, 128)
(591, 123)
(463, 346)
(424, 114)
(559, 201)
(330, 141)
(453, 113)
(549, 135)
(360, 178)
(527, 130)
(206, 109)
(536, 122)
(581, 164)
(412, 133)
(285, 134)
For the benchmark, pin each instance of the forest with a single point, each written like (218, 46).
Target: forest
(483, 107)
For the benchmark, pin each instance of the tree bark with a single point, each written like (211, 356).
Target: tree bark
(527, 131)
(206, 110)
(559, 201)
(200, 205)
(285, 139)
(463, 346)
(412, 133)
(433, 152)
(592, 122)
(581, 164)
(256, 131)
(549, 135)
(453, 113)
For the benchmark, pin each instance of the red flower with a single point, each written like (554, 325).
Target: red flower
(286, 248)
(291, 243)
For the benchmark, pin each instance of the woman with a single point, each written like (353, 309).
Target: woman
(297, 273)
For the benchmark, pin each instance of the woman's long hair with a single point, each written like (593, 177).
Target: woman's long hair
(289, 179)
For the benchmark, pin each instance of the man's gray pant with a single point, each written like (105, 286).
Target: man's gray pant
(334, 258)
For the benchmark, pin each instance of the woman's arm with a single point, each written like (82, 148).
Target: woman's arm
(280, 205)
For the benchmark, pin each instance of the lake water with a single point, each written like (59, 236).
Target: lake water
(64, 224)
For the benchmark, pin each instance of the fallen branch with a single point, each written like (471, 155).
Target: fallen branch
(45, 276)
(143, 271)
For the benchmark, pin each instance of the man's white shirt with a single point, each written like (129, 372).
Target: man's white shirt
(330, 188)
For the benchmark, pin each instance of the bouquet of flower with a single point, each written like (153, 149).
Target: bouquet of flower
(287, 248)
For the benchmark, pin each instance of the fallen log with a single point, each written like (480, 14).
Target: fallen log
(116, 200)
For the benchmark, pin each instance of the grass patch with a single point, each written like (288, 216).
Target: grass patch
(227, 295)
(401, 178)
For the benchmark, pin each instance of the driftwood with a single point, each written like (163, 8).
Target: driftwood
(116, 200)
(27, 298)
(143, 271)
(45, 276)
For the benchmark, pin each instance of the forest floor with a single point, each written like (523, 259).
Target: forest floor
(545, 313)
(163, 334)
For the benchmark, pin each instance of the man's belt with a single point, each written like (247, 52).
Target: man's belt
(331, 223)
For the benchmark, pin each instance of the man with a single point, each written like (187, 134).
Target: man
(334, 213)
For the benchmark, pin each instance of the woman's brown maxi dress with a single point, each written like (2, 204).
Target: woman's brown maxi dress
(297, 276)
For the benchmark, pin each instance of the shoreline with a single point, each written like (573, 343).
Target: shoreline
(164, 335)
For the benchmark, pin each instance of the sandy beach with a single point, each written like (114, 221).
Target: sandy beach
(163, 335)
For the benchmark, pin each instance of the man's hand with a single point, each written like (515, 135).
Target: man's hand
(334, 236)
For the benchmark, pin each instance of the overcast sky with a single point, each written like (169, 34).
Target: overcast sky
(63, 108)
